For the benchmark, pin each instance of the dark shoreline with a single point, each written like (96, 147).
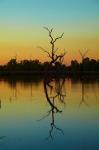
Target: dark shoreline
(41, 74)
(94, 73)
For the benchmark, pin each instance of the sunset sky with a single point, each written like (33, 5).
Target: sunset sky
(22, 21)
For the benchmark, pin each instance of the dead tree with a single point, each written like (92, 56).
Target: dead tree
(83, 55)
(53, 55)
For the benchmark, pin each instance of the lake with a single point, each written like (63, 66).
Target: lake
(29, 122)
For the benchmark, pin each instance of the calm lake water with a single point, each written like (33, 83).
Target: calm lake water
(28, 122)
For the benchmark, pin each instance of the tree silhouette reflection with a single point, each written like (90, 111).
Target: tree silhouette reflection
(55, 86)
(83, 97)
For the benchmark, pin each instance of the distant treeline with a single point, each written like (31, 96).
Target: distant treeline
(35, 66)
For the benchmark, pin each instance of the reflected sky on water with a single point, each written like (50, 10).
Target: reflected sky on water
(27, 119)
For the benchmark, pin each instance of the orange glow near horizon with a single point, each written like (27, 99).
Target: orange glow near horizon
(23, 42)
(29, 50)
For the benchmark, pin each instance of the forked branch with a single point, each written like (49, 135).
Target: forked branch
(83, 54)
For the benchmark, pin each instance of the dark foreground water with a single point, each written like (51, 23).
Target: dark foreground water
(28, 122)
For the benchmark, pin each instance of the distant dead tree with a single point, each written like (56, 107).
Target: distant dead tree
(83, 54)
(53, 55)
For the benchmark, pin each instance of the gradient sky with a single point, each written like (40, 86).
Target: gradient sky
(22, 21)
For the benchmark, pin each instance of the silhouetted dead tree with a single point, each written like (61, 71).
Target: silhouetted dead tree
(54, 58)
(53, 53)
(83, 55)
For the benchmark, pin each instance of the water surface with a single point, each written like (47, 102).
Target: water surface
(27, 121)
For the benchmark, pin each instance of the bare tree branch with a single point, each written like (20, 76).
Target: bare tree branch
(50, 33)
(58, 38)
(45, 115)
(56, 50)
(83, 54)
(45, 51)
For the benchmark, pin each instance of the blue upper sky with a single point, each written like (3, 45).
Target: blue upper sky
(49, 11)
